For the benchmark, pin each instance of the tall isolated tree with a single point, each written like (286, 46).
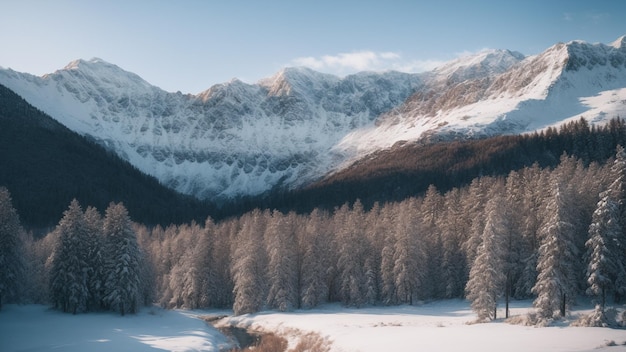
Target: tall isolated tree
(68, 274)
(487, 278)
(11, 250)
(122, 257)
(556, 285)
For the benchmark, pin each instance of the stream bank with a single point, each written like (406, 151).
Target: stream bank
(241, 338)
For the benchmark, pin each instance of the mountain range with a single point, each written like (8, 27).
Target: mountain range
(298, 126)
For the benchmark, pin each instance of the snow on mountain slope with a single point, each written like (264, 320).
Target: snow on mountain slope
(244, 139)
(233, 139)
(565, 82)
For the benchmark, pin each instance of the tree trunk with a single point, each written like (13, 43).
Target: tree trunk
(495, 307)
(563, 300)
(507, 294)
(603, 298)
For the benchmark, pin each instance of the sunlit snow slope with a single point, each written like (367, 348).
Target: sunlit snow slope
(244, 139)
(565, 82)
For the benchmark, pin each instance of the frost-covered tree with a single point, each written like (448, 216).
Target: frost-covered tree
(556, 285)
(207, 275)
(486, 280)
(388, 280)
(354, 271)
(94, 258)
(533, 187)
(69, 270)
(429, 213)
(283, 262)
(454, 234)
(603, 252)
(11, 250)
(606, 246)
(249, 264)
(122, 257)
(408, 258)
(315, 260)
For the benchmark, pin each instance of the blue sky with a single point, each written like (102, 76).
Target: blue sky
(190, 45)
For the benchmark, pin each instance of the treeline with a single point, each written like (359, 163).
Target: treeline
(517, 236)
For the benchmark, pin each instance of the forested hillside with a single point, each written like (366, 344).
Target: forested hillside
(45, 166)
(408, 170)
(516, 236)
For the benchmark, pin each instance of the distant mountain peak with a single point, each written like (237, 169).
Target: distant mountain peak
(620, 43)
(485, 62)
(92, 63)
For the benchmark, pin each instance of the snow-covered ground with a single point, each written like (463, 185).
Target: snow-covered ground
(438, 326)
(38, 328)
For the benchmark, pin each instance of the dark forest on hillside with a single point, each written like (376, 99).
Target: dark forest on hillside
(44, 165)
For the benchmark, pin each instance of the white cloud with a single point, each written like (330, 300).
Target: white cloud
(346, 63)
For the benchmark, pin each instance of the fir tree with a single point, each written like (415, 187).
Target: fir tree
(94, 258)
(486, 278)
(283, 263)
(68, 275)
(249, 264)
(122, 257)
(603, 250)
(556, 285)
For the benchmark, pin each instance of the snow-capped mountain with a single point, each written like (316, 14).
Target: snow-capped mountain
(514, 95)
(233, 139)
(243, 139)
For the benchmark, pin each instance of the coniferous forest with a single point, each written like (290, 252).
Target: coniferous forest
(548, 232)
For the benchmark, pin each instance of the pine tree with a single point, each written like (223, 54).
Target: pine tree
(617, 191)
(454, 234)
(603, 250)
(486, 280)
(556, 285)
(94, 258)
(606, 246)
(11, 250)
(408, 259)
(282, 267)
(315, 262)
(354, 286)
(249, 264)
(122, 257)
(68, 275)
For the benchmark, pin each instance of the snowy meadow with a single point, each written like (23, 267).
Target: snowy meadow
(438, 326)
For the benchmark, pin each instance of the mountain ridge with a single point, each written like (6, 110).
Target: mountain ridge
(298, 125)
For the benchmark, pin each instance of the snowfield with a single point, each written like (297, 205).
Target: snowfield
(438, 326)
(38, 328)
